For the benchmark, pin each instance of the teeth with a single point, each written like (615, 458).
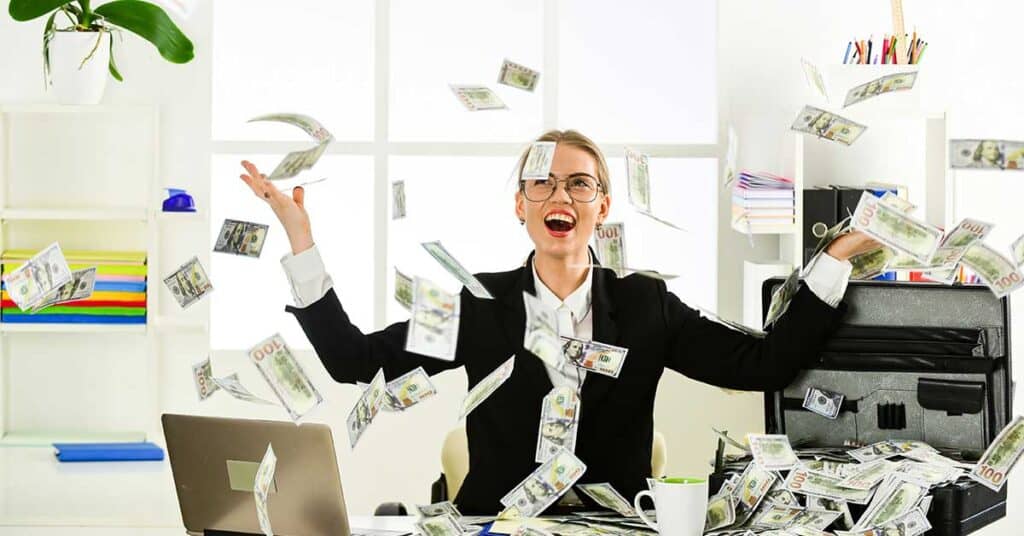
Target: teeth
(561, 217)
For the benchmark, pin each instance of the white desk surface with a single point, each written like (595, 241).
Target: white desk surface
(42, 497)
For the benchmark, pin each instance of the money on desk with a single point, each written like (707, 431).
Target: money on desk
(241, 238)
(189, 283)
(285, 376)
(518, 76)
(297, 161)
(545, 484)
(607, 496)
(38, 277)
(827, 125)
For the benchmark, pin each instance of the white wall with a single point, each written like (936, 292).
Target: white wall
(762, 87)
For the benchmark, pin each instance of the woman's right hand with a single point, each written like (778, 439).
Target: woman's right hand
(289, 210)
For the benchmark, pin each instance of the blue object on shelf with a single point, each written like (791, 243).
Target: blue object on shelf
(178, 200)
(886, 276)
(108, 452)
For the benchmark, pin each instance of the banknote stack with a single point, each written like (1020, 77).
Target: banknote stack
(295, 162)
(827, 125)
(74, 286)
(444, 519)
(883, 488)
(762, 203)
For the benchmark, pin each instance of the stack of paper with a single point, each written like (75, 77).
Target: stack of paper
(119, 296)
(763, 203)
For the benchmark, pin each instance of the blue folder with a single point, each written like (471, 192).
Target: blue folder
(108, 452)
(72, 319)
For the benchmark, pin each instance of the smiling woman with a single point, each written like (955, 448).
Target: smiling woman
(589, 303)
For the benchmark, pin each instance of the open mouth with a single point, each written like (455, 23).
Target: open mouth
(560, 222)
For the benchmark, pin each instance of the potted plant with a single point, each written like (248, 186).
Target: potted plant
(76, 58)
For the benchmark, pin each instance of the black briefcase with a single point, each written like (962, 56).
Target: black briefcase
(914, 361)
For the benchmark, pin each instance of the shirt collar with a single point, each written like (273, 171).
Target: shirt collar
(578, 301)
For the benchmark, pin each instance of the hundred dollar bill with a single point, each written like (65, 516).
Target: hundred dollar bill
(296, 161)
(610, 246)
(261, 488)
(538, 161)
(189, 283)
(821, 504)
(824, 403)
(289, 382)
(813, 77)
(927, 474)
(454, 267)
(1018, 251)
(202, 375)
(541, 334)
(403, 289)
(607, 496)
(366, 409)
(894, 499)
(954, 245)
(876, 451)
(231, 385)
(782, 497)
(781, 297)
(827, 125)
(241, 238)
(772, 452)
(409, 389)
(486, 386)
(441, 525)
(518, 76)
(813, 519)
(476, 98)
(639, 181)
(872, 263)
(868, 475)
(559, 421)
(81, 286)
(998, 272)
(397, 200)
(895, 229)
(434, 323)
(803, 481)
(720, 513)
(1000, 456)
(986, 154)
(438, 509)
(40, 276)
(594, 356)
(752, 488)
(775, 516)
(880, 86)
(926, 454)
(830, 468)
(890, 198)
(545, 485)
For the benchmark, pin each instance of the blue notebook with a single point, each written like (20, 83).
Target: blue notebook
(108, 452)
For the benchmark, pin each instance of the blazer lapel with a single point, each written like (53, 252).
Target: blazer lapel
(596, 386)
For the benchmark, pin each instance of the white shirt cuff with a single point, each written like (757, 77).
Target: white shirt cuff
(307, 276)
(827, 278)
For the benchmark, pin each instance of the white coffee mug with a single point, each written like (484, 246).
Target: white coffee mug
(680, 504)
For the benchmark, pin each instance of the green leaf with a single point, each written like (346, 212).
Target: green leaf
(111, 66)
(151, 23)
(47, 37)
(23, 10)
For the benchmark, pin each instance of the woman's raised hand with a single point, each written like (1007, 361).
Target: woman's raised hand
(289, 210)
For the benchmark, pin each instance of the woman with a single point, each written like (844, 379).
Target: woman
(615, 431)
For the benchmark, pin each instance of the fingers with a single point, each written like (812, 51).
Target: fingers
(299, 196)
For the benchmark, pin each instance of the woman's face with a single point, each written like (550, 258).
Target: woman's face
(554, 238)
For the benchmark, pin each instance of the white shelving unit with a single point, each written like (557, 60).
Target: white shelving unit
(87, 177)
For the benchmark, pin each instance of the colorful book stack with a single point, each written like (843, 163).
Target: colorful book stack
(763, 203)
(119, 296)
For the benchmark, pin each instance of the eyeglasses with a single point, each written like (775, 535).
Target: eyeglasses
(582, 188)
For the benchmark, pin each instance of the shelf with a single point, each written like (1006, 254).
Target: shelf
(74, 214)
(47, 438)
(139, 329)
(198, 215)
(53, 108)
(178, 324)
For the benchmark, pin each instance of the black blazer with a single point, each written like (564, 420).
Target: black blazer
(616, 414)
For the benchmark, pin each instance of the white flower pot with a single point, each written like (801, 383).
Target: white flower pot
(73, 81)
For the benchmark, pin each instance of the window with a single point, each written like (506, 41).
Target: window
(334, 61)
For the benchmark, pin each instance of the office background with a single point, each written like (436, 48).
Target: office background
(665, 77)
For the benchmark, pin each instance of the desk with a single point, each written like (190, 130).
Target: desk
(41, 497)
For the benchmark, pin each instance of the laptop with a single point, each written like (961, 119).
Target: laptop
(214, 462)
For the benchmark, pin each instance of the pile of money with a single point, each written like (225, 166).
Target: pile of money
(40, 276)
(986, 154)
(81, 286)
(241, 238)
(827, 125)
(880, 86)
(780, 490)
(297, 161)
(444, 519)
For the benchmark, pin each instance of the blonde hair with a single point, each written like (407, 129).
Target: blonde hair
(572, 138)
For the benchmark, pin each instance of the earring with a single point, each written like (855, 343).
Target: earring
(522, 222)
(598, 226)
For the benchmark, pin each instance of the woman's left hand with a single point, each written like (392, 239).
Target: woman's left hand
(850, 245)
